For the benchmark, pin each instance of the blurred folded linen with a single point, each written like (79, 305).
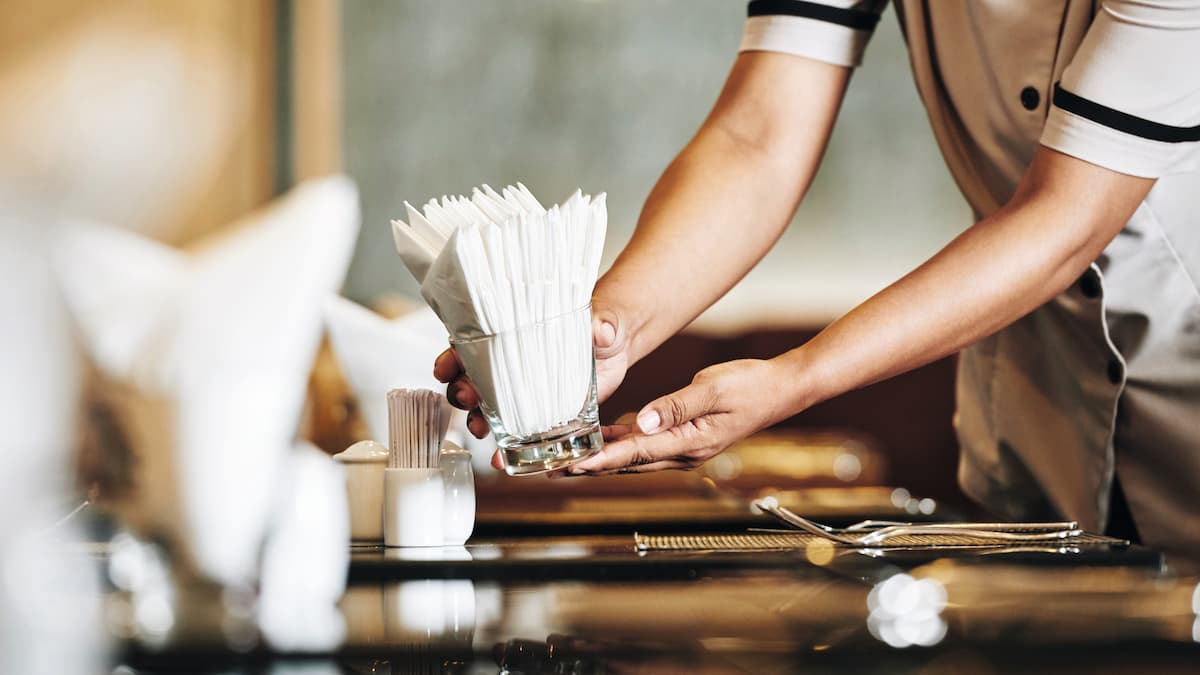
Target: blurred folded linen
(205, 353)
(378, 354)
(305, 559)
(50, 605)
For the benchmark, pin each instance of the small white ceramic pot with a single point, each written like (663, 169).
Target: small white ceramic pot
(365, 463)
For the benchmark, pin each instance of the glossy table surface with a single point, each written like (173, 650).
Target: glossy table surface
(594, 604)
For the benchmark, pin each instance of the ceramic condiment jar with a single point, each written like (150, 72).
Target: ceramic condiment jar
(365, 463)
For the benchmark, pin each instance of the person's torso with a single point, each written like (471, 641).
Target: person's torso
(1113, 362)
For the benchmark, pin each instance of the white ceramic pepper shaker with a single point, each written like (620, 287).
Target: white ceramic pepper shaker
(365, 462)
(459, 501)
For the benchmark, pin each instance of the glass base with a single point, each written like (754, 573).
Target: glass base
(554, 451)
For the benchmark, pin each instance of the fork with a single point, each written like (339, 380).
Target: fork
(880, 531)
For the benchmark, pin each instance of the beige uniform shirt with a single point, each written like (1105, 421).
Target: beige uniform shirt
(1105, 378)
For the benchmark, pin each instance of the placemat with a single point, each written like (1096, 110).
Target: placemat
(769, 541)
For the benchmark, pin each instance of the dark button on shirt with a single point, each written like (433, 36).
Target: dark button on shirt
(1030, 98)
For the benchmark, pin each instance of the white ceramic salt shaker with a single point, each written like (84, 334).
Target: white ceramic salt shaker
(459, 481)
(365, 463)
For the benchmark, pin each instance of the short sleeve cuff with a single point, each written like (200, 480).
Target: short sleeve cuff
(802, 36)
(1117, 150)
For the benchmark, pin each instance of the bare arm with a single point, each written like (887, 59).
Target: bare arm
(1064, 212)
(1062, 216)
(726, 199)
(716, 211)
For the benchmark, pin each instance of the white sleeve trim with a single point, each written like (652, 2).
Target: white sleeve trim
(1116, 150)
(801, 36)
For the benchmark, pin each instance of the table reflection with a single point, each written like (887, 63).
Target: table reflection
(554, 605)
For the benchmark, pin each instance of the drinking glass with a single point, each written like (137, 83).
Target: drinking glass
(537, 389)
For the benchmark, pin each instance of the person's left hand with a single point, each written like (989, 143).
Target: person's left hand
(723, 404)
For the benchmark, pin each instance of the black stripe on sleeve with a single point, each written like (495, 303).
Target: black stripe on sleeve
(1115, 119)
(850, 18)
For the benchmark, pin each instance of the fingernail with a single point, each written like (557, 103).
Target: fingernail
(606, 334)
(648, 421)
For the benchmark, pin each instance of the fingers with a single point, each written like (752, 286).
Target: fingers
(447, 366)
(613, 432)
(641, 450)
(497, 461)
(697, 399)
(477, 424)
(604, 328)
(664, 465)
(459, 391)
(462, 395)
(625, 448)
(606, 332)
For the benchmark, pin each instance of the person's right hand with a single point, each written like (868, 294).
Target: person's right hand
(611, 343)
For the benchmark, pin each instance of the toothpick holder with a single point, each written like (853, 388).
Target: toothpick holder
(413, 507)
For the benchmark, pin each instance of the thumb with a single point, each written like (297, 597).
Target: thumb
(694, 400)
(606, 332)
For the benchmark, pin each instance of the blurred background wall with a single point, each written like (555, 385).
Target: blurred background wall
(442, 96)
(158, 116)
(175, 117)
(559, 94)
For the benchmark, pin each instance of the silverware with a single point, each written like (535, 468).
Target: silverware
(879, 531)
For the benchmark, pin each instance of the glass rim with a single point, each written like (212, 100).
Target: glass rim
(455, 340)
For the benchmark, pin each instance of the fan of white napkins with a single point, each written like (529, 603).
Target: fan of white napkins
(206, 354)
(501, 264)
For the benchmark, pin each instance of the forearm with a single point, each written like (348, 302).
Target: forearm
(1061, 218)
(726, 199)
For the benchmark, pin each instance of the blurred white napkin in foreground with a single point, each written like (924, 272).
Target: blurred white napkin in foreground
(207, 352)
(305, 559)
(51, 605)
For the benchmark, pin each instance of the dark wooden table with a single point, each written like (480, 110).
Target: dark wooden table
(595, 604)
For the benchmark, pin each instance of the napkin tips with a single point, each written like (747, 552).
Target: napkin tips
(527, 197)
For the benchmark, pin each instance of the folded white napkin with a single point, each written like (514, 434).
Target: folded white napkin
(482, 260)
(305, 559)
(377, 355)
(207, 352)
(501, 261)
(51, 618)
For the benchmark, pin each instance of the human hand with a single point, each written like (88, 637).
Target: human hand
(723, 404)
(610, 341)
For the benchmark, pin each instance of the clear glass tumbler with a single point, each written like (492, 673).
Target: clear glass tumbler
(537, 389)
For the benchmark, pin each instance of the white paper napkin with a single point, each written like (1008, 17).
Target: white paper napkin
(207, 352)
(305, 559)
(500, 261)
(51, 618)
